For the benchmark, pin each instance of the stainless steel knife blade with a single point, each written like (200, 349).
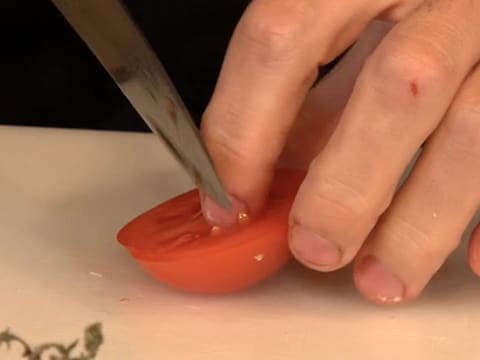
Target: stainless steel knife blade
(112, 35)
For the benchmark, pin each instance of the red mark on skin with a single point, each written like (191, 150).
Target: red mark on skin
(413, 88)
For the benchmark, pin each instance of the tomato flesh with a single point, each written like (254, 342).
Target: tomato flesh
(175, 244)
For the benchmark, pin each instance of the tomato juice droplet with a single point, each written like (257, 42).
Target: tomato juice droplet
(243, 218)
(215, 230)
(259, 257)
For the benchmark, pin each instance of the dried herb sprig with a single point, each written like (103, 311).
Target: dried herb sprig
(93, 339)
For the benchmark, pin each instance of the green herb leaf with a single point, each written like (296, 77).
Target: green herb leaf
(93, 339)
(6, 338)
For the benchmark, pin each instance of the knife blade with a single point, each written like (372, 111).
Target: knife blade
(114, 38)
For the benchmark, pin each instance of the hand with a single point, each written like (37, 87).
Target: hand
(410, 80)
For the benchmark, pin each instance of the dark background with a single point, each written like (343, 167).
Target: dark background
(50, 78)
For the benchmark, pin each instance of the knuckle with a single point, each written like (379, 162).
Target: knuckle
(337, 200)
(219, 137)
(398, 67)
(463, 126)
(275, 27)
(231, 140)
(403, 234)
(224, 147)
(410, 239)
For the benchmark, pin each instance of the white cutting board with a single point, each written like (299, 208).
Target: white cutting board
(63, 196)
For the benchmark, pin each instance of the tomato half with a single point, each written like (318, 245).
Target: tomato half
(175, 244)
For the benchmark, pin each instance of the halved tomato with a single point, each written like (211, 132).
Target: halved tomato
(175, 244)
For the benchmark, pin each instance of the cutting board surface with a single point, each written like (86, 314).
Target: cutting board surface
(64, 194)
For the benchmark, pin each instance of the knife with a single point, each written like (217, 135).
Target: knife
(113, 37)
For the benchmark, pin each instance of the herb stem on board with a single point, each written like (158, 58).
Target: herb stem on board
(93, 339)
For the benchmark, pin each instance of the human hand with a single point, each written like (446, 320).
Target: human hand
(410, 80)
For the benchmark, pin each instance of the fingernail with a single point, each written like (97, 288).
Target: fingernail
(314, 250)
(219, 216)
(377, 282)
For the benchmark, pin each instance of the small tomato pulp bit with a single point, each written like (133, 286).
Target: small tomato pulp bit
(174, 243)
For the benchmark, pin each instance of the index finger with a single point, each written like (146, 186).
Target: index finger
(270, 66)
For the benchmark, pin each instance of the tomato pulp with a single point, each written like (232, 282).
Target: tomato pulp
(174, 243)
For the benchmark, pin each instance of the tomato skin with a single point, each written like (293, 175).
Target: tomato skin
(173, 242)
